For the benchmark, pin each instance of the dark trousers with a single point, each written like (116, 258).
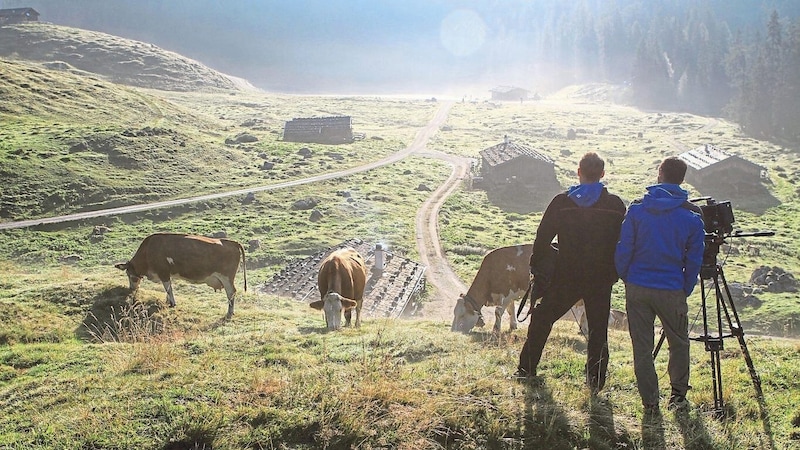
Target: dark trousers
(555, 303)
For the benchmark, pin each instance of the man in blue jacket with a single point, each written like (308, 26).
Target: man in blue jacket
(586, 219)
(659, 255)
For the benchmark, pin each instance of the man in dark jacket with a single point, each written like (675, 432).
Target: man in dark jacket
(659, 255)
(586, 219)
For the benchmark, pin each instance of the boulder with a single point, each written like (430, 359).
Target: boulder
(305, 204)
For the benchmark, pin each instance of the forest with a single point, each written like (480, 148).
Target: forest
(739, 60)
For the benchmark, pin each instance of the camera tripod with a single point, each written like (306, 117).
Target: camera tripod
(711, 273)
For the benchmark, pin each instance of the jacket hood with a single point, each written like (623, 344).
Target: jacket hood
(664, 197)
(585, 195)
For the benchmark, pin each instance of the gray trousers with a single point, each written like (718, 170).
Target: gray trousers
(643, 306)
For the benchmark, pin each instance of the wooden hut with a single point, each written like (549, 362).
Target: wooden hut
(320, 130)
(709, 169)
(509, 93)
(18, 15)
(513, 165)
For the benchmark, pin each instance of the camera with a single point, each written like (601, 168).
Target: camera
(717, 216)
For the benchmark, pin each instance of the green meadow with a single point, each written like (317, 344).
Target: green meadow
(84, 363)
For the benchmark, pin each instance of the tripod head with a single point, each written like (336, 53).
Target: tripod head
(713, 242)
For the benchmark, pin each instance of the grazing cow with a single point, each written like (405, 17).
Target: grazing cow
(197, 259)
(503, 277)
(341, 281)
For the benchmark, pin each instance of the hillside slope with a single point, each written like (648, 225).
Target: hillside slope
(116, 59)
(72, 140)
(95, 367)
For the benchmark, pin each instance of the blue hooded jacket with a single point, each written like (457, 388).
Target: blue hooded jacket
(661, 242)
(585, 195)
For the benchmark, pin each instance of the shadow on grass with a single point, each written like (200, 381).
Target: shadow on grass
(653, 431)
(545, 425)
(218, 323)
(753, 199)
(602, 430)
(521, 201)
(116, 315)
(693, 429)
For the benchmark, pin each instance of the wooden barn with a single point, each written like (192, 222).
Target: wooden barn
(509, 93)
(712, 170)
(18, 15)
(320, 130)
(514, 165)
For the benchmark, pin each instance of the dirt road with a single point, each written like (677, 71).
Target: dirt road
(446, 284)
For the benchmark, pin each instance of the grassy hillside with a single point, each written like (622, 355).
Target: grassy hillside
(113, 58)
(100, 371)
(71, 142)
(85, 364)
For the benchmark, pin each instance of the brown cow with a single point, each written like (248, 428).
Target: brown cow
(341, 281)
(197, 259)
(502, 278)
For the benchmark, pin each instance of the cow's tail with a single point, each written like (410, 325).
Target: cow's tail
(244, 266)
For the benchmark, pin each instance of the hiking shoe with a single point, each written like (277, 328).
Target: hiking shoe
(594, 384)
(522, 373)
(525, 377)
(651, 410)
(677, 402)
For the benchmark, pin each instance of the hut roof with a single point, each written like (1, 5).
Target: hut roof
(334, 121)
(706, 156)
(507, 89)
(506, 151)
(18, 12)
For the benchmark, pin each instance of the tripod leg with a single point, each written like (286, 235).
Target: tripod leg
(738, 331)
(713, 344)
(659, 344)
(716, 382)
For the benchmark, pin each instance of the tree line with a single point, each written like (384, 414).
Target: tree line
(677, 55)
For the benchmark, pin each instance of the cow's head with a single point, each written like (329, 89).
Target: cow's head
(465, 318)
(333, 305)
(133, 278)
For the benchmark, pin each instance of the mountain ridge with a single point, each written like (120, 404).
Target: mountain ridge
(115, 59)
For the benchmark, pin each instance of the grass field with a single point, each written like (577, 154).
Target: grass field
(86, 364)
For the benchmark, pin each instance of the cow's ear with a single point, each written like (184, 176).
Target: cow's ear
(347, 303)
(317, 304)
(121, 266)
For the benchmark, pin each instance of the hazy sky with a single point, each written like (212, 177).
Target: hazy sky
(312, 46)
(449, 47)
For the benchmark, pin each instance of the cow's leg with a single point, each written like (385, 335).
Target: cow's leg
(506, 304)
(358, 315)
(168, 288)
(511, 313)
(348, 314)
(498, 317)
(230, 290)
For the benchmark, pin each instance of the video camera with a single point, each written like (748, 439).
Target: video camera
(717, 217)
(718, 224)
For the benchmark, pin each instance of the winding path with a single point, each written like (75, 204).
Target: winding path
(447, 285)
